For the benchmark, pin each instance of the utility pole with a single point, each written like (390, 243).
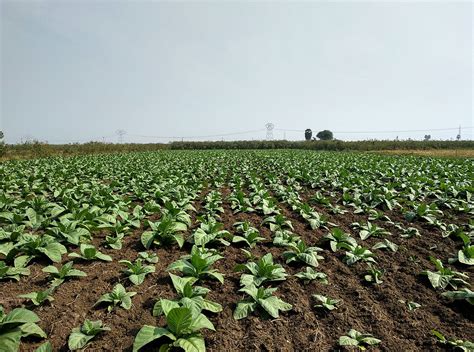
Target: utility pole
(458, 137)
(120, 134)
(269, 126)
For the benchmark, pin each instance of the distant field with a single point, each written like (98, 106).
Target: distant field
(449, 153)
(282, 250)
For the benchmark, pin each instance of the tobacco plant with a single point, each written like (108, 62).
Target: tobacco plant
(118, 296)
(261, 299)
(182, 331)
(66, 271)
(264, 270)
(136, 271)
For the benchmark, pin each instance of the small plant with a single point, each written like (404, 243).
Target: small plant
(182, 331)
(136, 271)
(32, 246)
(151, 258)
(19, 323)
(386, 244)
(284, 238)
(300, 252)
(89, 252)
(249, 234)
(164, 232)
(260, 298)
(114, 242)
(445, 277)
(369, 230)
(65, 272)
(310, 274)
(358, 253)
(355, 338)
(326, 302)
(40, 297)
(198, 264)
(190, 296)
(82, 335)
(463, 293)
(373, 274)
(337, 236)
(264, 270)
(211, 231)
(14, 273)
(278, 223)
(118, 296)
(411, 305)
(462, 345)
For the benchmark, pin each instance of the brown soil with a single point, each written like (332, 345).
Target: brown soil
(368, 308)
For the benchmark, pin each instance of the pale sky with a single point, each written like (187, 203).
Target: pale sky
(74, 71)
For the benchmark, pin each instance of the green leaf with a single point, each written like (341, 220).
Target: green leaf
(10, 340)
(149, 334)
(45, 347)
(179, 320)
(191, 344)
(78, 340)
(243, 309)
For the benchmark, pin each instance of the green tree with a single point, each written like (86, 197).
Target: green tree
(325, 135)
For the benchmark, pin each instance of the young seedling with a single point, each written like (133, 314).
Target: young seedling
(373, 274)
(164, 232)
(358, 253)
(278, 223)
(118, 296)
(114, 242)
(337, 236)
(60, 275)
(411, 305)
(198, 265)
(89, 252)
(182, 331)
(326, 302)
(189, 296)
(40, 297)
(81, 336)
(264, 270)
(369, 230)
(445, 277)
(300, 252)
(463, 293)
(19, 323)
(151, 258)
(457, 344)
(360, 340)
(310, 274)
(31, 246)
(249, 234)
(285, 238)
(136, 271)
(260, 298)
(13, 273)
(211, 231)
(386, 244)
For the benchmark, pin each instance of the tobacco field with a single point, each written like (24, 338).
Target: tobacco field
(281, 250)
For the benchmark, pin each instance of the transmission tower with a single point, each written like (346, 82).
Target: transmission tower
(120, 134)
(269, 126)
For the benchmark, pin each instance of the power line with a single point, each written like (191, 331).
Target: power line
(392, 131)
(200, 136)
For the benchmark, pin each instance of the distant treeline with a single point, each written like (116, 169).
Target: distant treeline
(326, 145)
(38, 149)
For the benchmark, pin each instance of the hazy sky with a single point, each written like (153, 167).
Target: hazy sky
(80, 70)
